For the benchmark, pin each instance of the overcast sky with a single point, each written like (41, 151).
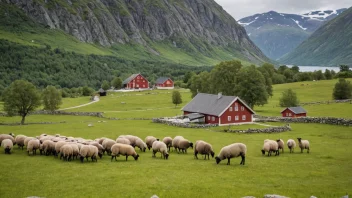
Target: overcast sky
(243, 8)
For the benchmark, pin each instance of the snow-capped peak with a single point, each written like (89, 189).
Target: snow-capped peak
(320, 14)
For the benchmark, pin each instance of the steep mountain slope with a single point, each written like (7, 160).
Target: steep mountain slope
(330, 45)
(277, 33)
(199, 32)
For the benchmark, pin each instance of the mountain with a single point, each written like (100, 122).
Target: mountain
(277, 33)
(330, 45)
(192, 32)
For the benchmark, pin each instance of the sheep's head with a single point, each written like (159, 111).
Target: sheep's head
(166, 156)
(100, 155)
(278, 140)
(157, 139)
(263, 152)
(212, 154)
(299, 139)
(217, 158)
(12, 134)
(7, 150)
(136, 157)
(81, 158)
(144, 148)
(191, 144)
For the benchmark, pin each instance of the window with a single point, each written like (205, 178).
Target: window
(236, 107)
(242, 108)
(236, 118)
(137, 77)
(230, 109)
(143, 80)
(244, 117)
(228, 118)
(209, 118)
(213, 119)
(143, 85)
(289, 114)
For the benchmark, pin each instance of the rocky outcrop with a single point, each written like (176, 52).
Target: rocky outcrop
(193, 25)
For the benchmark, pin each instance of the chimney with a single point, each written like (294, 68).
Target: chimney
(219, 95)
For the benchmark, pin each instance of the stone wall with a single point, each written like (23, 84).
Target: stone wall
(95, 114)
(319, 120)
(277, 129)
(182, 125)
(326, 102)
(17, 123)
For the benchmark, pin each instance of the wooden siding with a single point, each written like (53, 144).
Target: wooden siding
(242, 112)
(138, 82)
(168, 83)
(289, 113)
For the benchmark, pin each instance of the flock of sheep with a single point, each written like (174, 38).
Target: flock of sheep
(70, 148)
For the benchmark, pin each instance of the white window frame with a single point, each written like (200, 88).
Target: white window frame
(237, 118)
(244, 117)
(286, 114)
(228, 118)
(242, 108)
(209, 118)
(289, 114)
(230, 109)
(236, 107)
(213, 118)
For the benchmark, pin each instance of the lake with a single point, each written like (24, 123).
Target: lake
(315, 68)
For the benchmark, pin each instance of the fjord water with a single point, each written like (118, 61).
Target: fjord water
(315, 68)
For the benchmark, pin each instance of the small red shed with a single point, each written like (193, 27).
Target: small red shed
(164, 83)
(135, 81)
(294, 112)
(219, 109)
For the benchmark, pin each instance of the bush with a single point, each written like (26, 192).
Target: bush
(342, 90)
(289, 99)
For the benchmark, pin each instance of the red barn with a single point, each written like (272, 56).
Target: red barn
(136, 81)
(219, 109)
(164, 83)
(294, 112)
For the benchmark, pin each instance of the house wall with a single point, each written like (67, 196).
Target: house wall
(242, 112)
(209, 119)
(288, 113)
(138, 82)
(168, 83)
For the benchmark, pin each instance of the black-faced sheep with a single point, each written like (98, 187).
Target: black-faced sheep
(231, 151)
(32, 146)
(123, 149)
(123, 140)
(88, 151)
(160, 147)
(291, 144)
(149, 141)
(184, 144)
(66, 151)
(303, 144)
(107, 144)
(281, 144)
(27, 139)
(270, 146)
(175, 142)
(7, 136)
(168, 142)
(140, 144)
(203, 148)
(100, 148)
(20, 140)
(7, 145)
(48, 147)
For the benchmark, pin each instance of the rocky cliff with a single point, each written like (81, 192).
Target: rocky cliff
(192, 25)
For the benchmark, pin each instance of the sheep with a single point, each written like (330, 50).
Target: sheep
(107, 144)
(123, 140)
(27, 139)
(7, 145)
(184, 144)
(291, 144)
(175, 141)
(20, 140)
(58, 145)
(270, 146)
(7, 136)
(281, 144)
(231, 151)
(101, 140)
(32, 146)
(160, 147)
(303, 144)
(149, 141)
(100, 148)
(168, 142)
(123, 149)
(141, 145)
(88, 151)
(131, 138)
(66, 151)
(203, 148)
(75, 149)
(48, 147)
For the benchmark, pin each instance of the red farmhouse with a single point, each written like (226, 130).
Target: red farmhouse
(136, 81)
(219, 109)
(294, 112)
(164, 83)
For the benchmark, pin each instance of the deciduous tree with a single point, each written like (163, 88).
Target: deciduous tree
(176, 98)
(342, 90)
(289, 99)
(51, 98)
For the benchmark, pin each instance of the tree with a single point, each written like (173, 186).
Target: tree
(250, 86)
(342, 90)
(288, 73)
(278, 79)
(176, 98)
(319, 75)
(328, 74)
(188, 77)
(51, 98)
(282, 68)
(268, 81)
(116, 83)
(289, 99)
(105, 85)
(344, 68)
(200, 83)
(21, 97)
(87, 91)
(295, 69)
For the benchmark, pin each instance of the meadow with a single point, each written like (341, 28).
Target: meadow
(325, 172)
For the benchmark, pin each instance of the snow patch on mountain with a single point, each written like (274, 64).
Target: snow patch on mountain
(245, 24)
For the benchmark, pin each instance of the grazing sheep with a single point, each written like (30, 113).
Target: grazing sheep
(131, 138)
(100, 148)
(107, 144)
(141, 145)
(20, 140)
(168, 142)
(27, 139)
(32, 146)
(175, 142)
(184, 144)
(123, 140)
(66, 151)
(270, 146)
(231, 151)
(88, 151)
(291, 144)
(48, 147)
(123, 149)
(7, 145)
(160, 147)
(58, 145)
(75, 149)
(149, 141)
(7, 136)
(203, 148)
(281, 144)
(101, 140)
(303, 144)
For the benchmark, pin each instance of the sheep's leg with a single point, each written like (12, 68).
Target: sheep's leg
(307, 150)
(228, 161)
(243, 159)
(282, 150)
(126, 157)
(301, 150)
(196, 154)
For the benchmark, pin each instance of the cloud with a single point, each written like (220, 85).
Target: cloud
(242, 8)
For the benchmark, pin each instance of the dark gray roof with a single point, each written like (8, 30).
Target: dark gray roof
(209, 104)
(161, 80)
(296, 110)
(101, 90)
(129, 78)
(193, 116)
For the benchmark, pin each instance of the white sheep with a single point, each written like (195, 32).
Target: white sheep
(123, 140)
(231, 151)
(100, 148)
(20, 140)
(203, 148)
(140, 144)
(168, 142)
(270, 146)
(88, 151)
(7, 145)
(149, 141)
(32, 146)
(160, 147)
(281, 144)
(48, 147)
(58, 145)
(7, 136)
(123, 149)
(183, 145)
(303, 144)
(107, 144)
(66, 151)
(27, 139)
(291, 144)
(175, 141)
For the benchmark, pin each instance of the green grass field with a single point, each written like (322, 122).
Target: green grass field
(325, 172)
